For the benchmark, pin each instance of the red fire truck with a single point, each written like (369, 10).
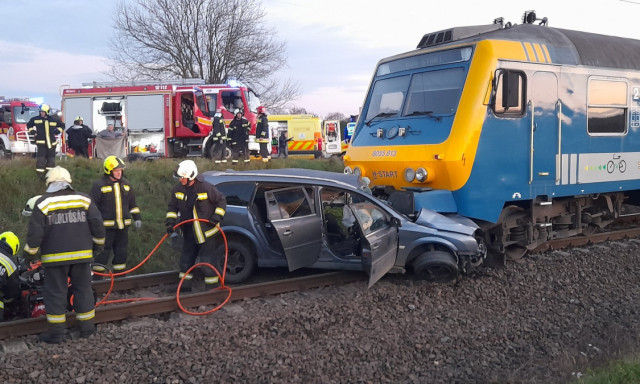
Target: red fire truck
(227, 98)
(168, 118)
(15, 113)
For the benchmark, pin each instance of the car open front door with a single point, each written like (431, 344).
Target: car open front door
(299, 227)
(379, 239)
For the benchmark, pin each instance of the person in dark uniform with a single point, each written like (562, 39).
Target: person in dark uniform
(66, 228)
(46, 128)
(239, 136)
(114, 196)
(77, 137)
(262, 134)
(193, 198)
(283, 145)
(219, 137)
(9, 269)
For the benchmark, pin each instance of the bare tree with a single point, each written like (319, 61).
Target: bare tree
(210, 39)
(335, 116)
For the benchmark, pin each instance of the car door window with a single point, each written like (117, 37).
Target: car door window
(289, 203)
(369, 216)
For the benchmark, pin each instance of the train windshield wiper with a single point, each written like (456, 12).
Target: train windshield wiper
(381, 114)
(424, 113)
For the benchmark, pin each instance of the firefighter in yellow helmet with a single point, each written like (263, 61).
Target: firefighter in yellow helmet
(46, 129)
(116, 200)
(194, 198)
(9, 270)
(65, 227)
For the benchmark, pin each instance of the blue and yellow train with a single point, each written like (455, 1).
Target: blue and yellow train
(533, 132)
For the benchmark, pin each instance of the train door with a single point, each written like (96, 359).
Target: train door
(544, 127)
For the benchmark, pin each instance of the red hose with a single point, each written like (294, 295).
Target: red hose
(222, 286)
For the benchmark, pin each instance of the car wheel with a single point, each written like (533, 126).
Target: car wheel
(241, 262)
(436, 266)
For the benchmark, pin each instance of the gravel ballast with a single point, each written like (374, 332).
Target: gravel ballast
(545, 319)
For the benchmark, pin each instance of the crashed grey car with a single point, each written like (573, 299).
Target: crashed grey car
(299, 218)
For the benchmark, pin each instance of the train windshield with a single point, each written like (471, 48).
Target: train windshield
(22, 115)
(426, 91)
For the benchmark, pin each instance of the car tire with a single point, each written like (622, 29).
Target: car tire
(241, 262)
(436, 266)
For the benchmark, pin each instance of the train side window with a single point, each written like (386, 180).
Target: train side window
(509, 91)
(607, 107)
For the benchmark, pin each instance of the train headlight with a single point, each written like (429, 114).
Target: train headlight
(357, 171)
(348, 170)
(409, 175)
(421, 174)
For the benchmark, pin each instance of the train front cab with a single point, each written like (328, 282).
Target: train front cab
(537, 146)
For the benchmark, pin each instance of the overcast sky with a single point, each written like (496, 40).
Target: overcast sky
(332, 45)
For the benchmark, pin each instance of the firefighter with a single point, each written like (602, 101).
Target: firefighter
(116, 200)
(193, 198)
(66, 228)
(46, 128)
(78, 135)
(9, 270)
(219, 137)
(239, 136)
(262, 134)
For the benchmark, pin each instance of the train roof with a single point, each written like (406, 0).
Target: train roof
(565, 46)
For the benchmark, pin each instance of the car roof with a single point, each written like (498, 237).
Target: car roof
(287, 175)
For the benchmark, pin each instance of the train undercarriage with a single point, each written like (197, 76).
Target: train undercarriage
(524, 227)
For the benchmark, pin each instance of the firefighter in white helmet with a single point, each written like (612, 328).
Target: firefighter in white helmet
(238, 135)
(194, 198)
(219, 138)
(116, 200)
(46, 129)
(65, 227)
(78, 136)
(262, 133)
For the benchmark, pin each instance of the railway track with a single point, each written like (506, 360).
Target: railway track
(115, 312)
(160, 305)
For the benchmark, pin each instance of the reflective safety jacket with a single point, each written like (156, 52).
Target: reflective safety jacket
(46, 130)
(262, 129)
(64, 226)
(218, 131)
(9, 281)
(239, 131)
(199, 201)
(116, 202)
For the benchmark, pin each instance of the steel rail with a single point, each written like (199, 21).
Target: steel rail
(117, 312)
(136, 281)
(586, 240)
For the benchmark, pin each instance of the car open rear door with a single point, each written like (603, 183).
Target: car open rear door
(299, 227)
(379, 240)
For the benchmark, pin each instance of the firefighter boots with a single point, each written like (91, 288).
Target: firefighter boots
(86, 329)
(54, 335)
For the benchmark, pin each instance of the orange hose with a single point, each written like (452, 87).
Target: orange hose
(222, 286)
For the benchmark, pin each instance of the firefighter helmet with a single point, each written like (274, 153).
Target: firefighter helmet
(78, 118)
(10, 239)
(111, 163)
(45, 108)
(31, 203)
(58, 174)
(262, 109)
(187, 169)
(236, 111)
